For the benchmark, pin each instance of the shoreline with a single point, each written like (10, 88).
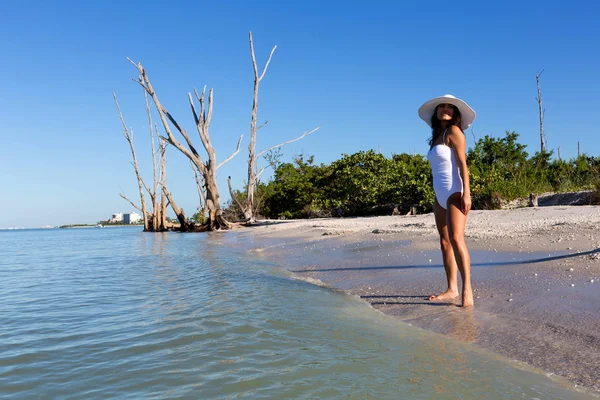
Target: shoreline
(532, 272)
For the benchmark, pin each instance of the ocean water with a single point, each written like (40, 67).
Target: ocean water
(118, 313)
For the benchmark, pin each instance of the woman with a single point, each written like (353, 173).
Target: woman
(448, 117)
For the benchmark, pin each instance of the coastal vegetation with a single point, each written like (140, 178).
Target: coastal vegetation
(369, 183)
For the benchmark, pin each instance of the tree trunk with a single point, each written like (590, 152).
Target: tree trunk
(155, 217)
(162, 182)
(541, 111)
(215, 214)
(533, 200)
(184, 225)
(249, 209)
(201, 190)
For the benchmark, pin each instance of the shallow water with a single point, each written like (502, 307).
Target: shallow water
(114, 312)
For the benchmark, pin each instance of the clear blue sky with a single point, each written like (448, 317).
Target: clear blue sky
(359, 70)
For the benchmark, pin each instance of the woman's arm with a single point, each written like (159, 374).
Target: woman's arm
(459, 144)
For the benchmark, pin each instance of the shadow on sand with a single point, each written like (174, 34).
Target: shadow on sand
(486, 264)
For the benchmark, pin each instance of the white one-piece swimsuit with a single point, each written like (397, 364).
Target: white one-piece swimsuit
(445, 171)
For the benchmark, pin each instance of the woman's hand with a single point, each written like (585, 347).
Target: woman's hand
(465, 204)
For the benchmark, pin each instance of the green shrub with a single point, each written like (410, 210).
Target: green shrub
(367, 182)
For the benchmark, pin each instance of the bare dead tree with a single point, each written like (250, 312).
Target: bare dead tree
(184, 225)
(124, 197)
(248, 209)
(541, 111)
(207, 169)
(129, 137)
(253, 176)
(157, 220)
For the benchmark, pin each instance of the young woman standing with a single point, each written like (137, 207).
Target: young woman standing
(448, 117)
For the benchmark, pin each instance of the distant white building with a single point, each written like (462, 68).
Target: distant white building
(131, 218)
(118, 217)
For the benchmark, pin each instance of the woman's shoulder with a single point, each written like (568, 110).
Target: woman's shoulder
(453, 129)
(454, 132)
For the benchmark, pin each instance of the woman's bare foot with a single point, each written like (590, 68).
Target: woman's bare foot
(447, 295)
(467, 298)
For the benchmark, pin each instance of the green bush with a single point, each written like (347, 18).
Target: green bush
(367, 182)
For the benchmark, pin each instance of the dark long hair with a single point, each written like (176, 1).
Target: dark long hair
(436, 124)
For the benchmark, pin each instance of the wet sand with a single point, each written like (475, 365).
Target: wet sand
(532, 272)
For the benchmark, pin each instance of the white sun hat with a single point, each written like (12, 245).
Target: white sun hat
(467, 113)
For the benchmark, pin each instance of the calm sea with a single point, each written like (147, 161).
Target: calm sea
(118, 313)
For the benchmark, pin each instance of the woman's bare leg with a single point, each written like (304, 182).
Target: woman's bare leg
(456, 221)
(447, 255)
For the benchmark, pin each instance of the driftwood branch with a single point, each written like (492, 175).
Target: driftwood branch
(237, 150)
(305, 134)
(200, 119)
(254, 59)
(201, 101)
(165, 117)
(210, 110)
(152, 200)
(130, 202)
(234, 197)
(259, 174)
(170, 198)
(142, 84)
(184, 224)
(147, 188)
(193, 106)
(183, 133)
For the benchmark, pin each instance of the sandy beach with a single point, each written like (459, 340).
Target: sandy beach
(535, 272)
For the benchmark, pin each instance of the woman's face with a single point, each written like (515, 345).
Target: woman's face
(445, 112)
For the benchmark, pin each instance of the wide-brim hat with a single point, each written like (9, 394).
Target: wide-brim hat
(467, 113)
